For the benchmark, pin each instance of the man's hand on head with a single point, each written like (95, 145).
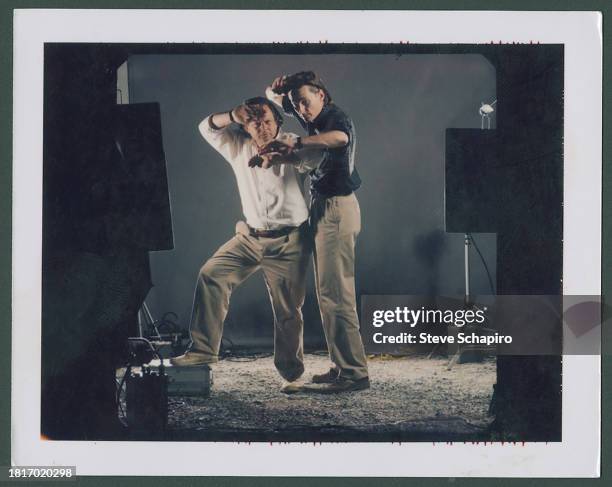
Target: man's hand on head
(278, 85)
(242, 114)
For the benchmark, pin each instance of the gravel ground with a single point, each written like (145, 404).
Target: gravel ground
(411, 399)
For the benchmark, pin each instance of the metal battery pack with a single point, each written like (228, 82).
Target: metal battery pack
(146, 400)
(186, 381)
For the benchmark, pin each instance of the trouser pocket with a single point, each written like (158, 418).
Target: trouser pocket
(242, 228)
(346, 209)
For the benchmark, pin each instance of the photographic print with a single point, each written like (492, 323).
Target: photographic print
(311, 241)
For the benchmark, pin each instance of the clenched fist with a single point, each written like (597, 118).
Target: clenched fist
(278, 85)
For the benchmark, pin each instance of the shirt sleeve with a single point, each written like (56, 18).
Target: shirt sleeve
(275, 97)
(227, 141)
(341, 122)
(309, 159)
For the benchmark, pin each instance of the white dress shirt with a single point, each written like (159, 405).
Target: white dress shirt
(271, 198)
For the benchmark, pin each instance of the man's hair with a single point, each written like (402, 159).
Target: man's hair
(305, 78)
(256, 104)
(260, 101)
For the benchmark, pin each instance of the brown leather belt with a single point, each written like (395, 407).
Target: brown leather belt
(281, 232)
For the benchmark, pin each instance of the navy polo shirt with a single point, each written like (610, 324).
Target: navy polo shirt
(336, 175)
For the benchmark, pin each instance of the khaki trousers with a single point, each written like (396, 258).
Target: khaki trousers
(336, 222)
(284, 262)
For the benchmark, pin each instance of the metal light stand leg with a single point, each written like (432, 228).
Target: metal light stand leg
(466, 298)
(144, 315)
(466, 267)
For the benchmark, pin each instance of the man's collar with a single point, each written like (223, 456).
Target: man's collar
(323, 111)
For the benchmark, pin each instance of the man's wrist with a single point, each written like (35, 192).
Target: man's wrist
(299, 144)
(231, 116)
(271, 94)
(212, 124)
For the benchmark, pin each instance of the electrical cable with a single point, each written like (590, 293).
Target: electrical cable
(230, 353)
(247, 357)
(319, 353)
(120, 388)
(166, 324)
(226, 350)
(122, 413)
(226, 339)
(484, 263)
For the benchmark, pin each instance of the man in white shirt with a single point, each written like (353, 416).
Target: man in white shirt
(274, 238)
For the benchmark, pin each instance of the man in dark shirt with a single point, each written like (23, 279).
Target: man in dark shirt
(335, 220)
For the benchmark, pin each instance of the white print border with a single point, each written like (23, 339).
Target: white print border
(576, 456)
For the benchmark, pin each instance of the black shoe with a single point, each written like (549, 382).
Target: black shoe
(326, 378)
(341, 384)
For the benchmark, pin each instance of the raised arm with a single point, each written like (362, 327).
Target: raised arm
(325, 140)
(277, 94)
(274, 92)
(221, 131)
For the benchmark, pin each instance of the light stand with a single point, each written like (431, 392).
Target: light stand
(485, 111)
(462, 350)
(145, 316)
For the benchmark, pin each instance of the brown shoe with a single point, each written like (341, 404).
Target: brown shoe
(292, 387)
(341, 384)
(326, 378)
(192, 359)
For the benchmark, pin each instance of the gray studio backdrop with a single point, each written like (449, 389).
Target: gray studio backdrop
(401, 106)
